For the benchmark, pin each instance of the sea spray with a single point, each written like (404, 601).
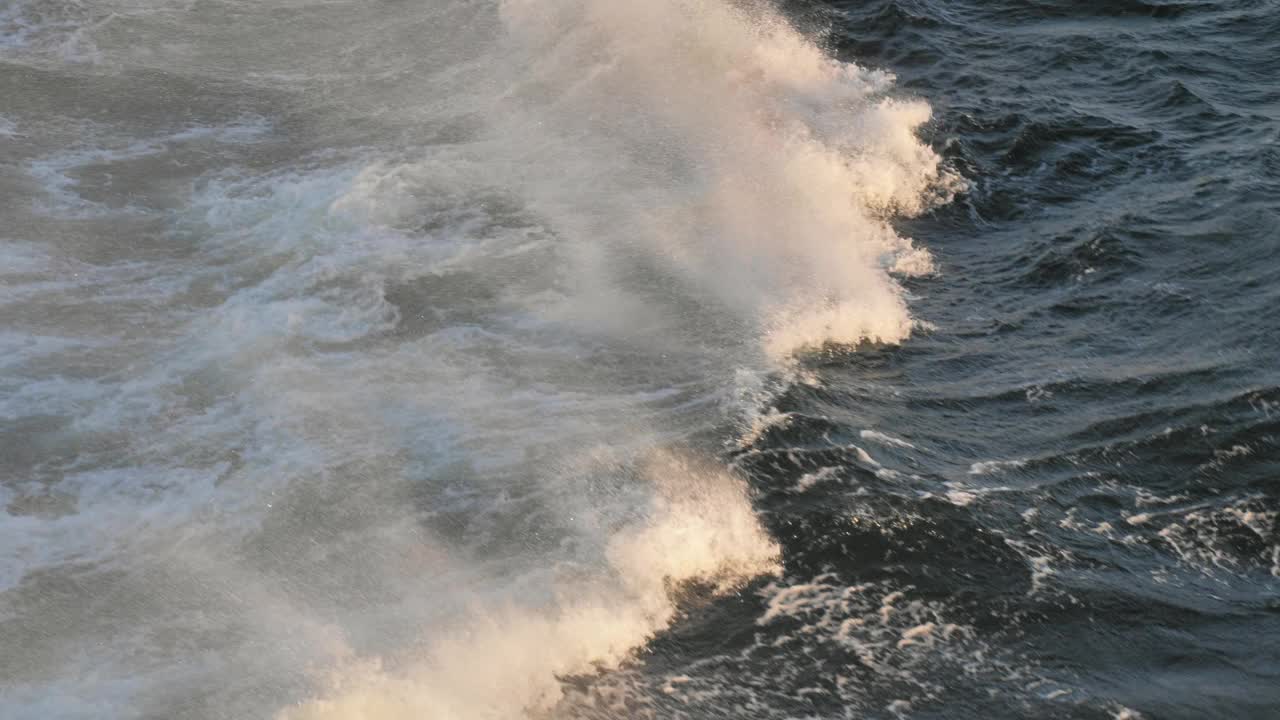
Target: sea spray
(506, 660)
(722, 146)
(716, 194)
(407, 347)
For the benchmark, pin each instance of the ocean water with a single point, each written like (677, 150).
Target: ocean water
(591, 359)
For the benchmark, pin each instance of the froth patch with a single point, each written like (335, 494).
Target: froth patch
(842, 323)
(735, 153)
(504, 660)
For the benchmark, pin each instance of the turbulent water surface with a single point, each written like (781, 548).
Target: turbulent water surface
(466, 359)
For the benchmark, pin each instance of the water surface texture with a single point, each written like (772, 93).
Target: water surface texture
(591, 359)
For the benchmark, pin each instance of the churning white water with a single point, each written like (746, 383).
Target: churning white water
(359, 361)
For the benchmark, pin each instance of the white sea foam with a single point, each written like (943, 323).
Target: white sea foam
(993, 467)
(821, 475)
(742, 159)
(56, 172)
(390, 412)
(700, 527)
(721, 154)
(905, 641)
(884, 439)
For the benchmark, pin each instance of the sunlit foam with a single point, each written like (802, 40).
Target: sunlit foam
(505, 660)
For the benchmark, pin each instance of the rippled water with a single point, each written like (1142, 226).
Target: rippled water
(592, 359)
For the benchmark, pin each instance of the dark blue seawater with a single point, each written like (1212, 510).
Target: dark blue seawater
(1102, 389)
(471, 360)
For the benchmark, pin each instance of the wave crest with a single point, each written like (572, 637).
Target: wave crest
(505, 660)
